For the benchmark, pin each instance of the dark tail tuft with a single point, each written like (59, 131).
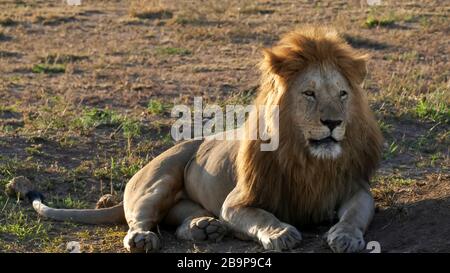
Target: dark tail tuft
(34, 195)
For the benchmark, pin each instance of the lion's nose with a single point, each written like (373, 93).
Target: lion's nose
(331, 124)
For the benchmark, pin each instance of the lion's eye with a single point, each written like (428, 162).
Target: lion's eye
(343, 94)
(309, 93)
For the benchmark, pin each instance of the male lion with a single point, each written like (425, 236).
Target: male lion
(329, 147)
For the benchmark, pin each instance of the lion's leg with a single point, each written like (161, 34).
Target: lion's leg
(354, 218)
(152, 192)
(147, 211)
(261, 226)
(194, 222)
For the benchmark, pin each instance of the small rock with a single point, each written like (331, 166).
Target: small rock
(19, 186)
(73, 247)
(107, 201)
(74, 2)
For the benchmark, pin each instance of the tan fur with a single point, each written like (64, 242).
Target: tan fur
(289, 182)
(262, 194)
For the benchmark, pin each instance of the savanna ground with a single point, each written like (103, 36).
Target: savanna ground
(86, 93)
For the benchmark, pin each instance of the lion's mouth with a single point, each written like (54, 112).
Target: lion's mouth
(326, 140)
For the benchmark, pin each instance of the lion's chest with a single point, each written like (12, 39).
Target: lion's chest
(307, 202)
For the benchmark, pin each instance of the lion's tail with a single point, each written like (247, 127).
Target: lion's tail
(112, 215)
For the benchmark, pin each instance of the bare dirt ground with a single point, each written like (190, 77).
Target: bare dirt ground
(86, 93)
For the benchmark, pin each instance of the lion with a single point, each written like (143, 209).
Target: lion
(329, 147)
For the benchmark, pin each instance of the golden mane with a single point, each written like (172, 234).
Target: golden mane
(289, 182)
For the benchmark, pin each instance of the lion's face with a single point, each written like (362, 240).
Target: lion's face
(319, 99)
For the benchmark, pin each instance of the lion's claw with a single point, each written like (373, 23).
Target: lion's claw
(345, 239)
(142, 241)
(281, 238)
(201, 229)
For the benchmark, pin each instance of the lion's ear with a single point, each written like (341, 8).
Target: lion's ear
(272, 62)
(359, 68)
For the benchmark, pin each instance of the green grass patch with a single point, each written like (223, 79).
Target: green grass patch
(402, 182)
(405, 56)
(436, 111)
(376, 18)
(94, 117)
(7, 129)
(156, 107)
(385, 127)
(393, 181)
(68, 202)
(391, 151)
(430, 142)
(52, 118)
(372, 22)
(386, 188)
(15, 222)
(118, 171)
(131, 129)
(167, 140)
(434, 158)
(34, 150)
(68, 141)
(8, 108)
(425, 22)
(243, 97)
(8, 169)
(48, 68)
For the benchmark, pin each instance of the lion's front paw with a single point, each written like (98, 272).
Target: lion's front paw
(142, 241)
(201, 229)
(280, 238)
(345, 239)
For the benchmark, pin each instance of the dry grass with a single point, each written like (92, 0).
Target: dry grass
(149, 9)
(97, 106)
